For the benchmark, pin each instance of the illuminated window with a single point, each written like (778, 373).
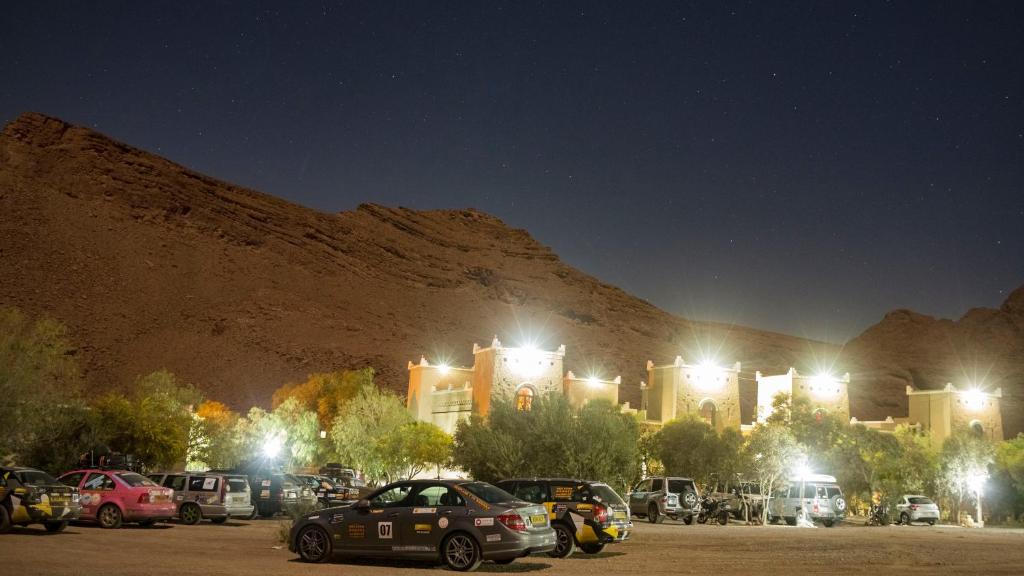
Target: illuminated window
(524, 398)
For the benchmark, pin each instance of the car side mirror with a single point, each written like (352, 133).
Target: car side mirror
(362, 505)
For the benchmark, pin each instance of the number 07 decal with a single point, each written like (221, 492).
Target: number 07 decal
(384, 530)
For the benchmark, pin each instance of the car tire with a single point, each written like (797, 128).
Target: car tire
(109, 516)
(565, 541)
(219, 520)
(905, 519)
(791, 521)
(266, 511)
(55, 526)
(313, 544)
(190, 513)
(461, 552)
(931, 522)
(723, 518)
(252, 515)
(5, 520)
(827, 523)
(653, 514)
(688, 520)
(592, 548)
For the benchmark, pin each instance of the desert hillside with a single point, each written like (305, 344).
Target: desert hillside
(154, 266)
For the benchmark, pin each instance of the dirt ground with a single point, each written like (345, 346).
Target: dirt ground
(247, 548)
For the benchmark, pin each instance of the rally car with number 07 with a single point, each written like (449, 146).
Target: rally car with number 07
(459, 523)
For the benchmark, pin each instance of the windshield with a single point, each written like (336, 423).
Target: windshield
(488, 493)
(135, 480)
(289, 481)
(920, 500)
(604, 493)
(36, 477)
(680, 486)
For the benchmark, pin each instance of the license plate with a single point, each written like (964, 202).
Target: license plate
(620, 516)
(159, 498)
(539, 519)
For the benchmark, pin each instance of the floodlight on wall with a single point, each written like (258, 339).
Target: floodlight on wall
(593, 381)
(527, 361)
(824, 385)
(444, 369)
(974, 399)
(709, 375)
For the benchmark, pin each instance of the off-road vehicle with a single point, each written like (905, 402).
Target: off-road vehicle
(664, 496)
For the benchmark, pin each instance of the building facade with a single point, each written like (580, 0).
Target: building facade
(708, 392)
(825, 393)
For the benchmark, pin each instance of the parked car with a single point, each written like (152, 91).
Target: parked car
(29, 496)
(200, 495)
(458, 522)
(742, 497)
(657, 497)
(327, 492)
(603, 517)
(822, 500)
(916, 508)
(347, 477)
(277, 492)
(112, 497)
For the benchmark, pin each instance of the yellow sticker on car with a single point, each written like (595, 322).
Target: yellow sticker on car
(423, 528)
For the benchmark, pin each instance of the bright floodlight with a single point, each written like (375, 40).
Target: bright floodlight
(974, 399)
(444, 369)
(592, 381)
(527, 361)
(976, 482)
(824, 384)
(708, 374)
(272, 446)
(801, 469)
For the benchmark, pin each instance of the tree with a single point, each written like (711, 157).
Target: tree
(154, 424)
(771, 454)
(414, 447)
(361, 428)
(41, 407)
(965, 458)
(691, 447)
(550, 439)
(326, 392)
(215, 443)
(1010, 474)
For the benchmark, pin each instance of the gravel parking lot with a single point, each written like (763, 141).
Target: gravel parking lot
(248, 548)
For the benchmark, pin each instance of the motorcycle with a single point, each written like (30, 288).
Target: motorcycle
(878, 515)
(713, 510)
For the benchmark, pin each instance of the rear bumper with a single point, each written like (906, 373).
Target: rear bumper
(240, 510)
(163, 511)
(516, 545)
(214, 510)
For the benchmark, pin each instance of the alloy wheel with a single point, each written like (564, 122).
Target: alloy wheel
(460, 553)
(313, 544)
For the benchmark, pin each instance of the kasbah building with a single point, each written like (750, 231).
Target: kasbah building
(445, 395)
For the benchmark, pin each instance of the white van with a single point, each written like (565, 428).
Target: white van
(822, 498)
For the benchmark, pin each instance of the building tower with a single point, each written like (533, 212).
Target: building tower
(825, 393)
(942, 412)
(521, 374)
(710, 392)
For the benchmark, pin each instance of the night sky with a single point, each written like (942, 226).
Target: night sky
(801, 168)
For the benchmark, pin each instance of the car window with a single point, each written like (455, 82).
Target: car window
(680, 486)
(822, 493)
(487, 492)
(536, 492)
(656, 484)
(604, 493)
(237, 485)
(97, 481)
(35, 477)
(567, 492)
(136, 480)
(203, 484)
(175, 482)
(438, 496)
(834, 491)
(920, 500)
(392, 497)
(72, 480)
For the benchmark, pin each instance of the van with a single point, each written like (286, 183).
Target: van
(821, 498)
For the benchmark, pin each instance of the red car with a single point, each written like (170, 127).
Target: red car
(111, 497)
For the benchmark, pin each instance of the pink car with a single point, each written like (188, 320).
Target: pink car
(111, 497)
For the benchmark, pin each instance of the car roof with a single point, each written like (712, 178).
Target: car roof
(576, 480)
(105, 470)
(669, 478)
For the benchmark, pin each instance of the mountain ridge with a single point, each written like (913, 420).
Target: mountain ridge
(152, 265)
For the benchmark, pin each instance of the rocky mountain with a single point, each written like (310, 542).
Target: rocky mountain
(984, 349)
(154, 266)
